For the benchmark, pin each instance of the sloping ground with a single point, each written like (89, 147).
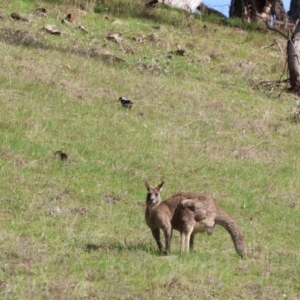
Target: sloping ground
(74, 228)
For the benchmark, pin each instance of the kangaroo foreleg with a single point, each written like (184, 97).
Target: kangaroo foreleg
(168, 236)
(156, 235)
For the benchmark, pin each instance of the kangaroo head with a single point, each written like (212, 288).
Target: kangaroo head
(153, 196)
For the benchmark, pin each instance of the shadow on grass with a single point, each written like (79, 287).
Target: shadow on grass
(17, 37)
(121, 247)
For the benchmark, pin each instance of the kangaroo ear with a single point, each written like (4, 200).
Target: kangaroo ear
(148, 186)
(159, 187)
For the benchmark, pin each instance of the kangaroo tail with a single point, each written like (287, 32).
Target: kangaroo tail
(229, 224)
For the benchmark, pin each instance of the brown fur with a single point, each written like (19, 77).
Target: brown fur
(189, 213)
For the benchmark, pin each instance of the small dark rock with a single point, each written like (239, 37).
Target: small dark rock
(18, 17)
(180, 52)
(61, 155)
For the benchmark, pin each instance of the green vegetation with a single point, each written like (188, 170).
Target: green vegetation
(75, 229)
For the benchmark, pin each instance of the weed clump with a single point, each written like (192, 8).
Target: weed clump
(295, 112)
(20, 37)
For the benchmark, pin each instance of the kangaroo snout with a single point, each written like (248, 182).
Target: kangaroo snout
(150, 201)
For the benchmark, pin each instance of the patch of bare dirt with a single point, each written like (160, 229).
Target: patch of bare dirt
(56, 191)
(253, 153)
(61, 289)
(104, 55)
(110, 198)
(95, 276)
(261, 292)
(73, 87)
(214, 282)
(248, 67)
(119, 22)
(245, 267)
(289, 197)
(5, 287)
(127, 49)
(59, 210)
(140, 38)
(18, 160)
(21, 257)
(176, 284)
(203, 60)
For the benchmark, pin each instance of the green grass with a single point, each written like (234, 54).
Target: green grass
(201, 122)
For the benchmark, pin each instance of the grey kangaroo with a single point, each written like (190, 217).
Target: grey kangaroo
(189, 213)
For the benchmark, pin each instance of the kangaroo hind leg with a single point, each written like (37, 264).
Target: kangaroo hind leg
(185, 236)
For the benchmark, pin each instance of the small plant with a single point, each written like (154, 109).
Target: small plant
(97, 9)
(295, 112)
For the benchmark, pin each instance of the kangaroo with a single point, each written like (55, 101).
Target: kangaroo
(199, 213)
(158, 216)
(189, 213)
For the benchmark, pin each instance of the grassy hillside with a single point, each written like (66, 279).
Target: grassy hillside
(75, 229)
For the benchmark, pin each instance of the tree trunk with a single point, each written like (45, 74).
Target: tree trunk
(250, 9)
(293, 52)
